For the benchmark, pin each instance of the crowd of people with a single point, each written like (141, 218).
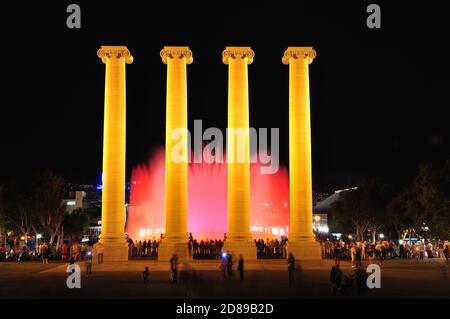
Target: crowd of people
(144, 249)
(207, 248)
(356, 251)
(271, 248)
(46, 252)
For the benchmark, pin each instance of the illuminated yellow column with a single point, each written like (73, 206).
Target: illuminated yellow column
(301, 241)
(239, 240)
(113, 194)
(176, 191)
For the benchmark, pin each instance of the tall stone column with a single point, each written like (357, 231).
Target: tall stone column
(112, 236)
(176, 188)
(301, 237)
(239, 240)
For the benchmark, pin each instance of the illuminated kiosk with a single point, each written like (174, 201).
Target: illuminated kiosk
(176, 180)
(112, 236)
(302, 241)
(239, 239)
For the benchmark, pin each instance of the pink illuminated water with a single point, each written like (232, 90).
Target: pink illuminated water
(207, 200)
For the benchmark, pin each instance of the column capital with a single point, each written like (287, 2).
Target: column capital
(176, 53)
(299, 52)
(115, 51)
(238, 53)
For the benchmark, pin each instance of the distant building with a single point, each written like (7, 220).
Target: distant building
(89, 198)
(322, 208)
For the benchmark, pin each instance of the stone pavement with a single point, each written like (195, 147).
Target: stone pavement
(201, 265)
(266, 279)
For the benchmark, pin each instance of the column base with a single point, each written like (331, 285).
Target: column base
(236, 247)
(114, 251)
(169, 247)
(304, 249)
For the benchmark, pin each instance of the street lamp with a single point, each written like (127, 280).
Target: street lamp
(381, 236)
(38, 236)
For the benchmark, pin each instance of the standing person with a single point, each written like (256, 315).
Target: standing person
(72, 259)
(421, 251)
(363, 251)
(240, 267)
(353, 255)
(447, 253)
(100, 250)
(88, 263)
(401, 251)
(337, 254)
(83, 251)
(174, 267)
(291, 268)
(145, 275)
(358, 255)
(64, 250)
(45, 253)
(190, 247)
(441, 251)
(333, 274)
(429, 250)
(230, 264)
(361, 281)
(223, 268)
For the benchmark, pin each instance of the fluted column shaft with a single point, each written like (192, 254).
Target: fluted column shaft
(238, 170)
(113, 192)
(300, 170)
(176, 185)
(176, 191)
(239, 239)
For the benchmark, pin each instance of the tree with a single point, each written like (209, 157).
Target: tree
(398, 220)
(364, 206)
(349, 207)
(423, 207)
(47, 197)
(376, 196)
(4, 218)
(17, 214)
(76, 223)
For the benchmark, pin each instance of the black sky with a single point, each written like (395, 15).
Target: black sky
(379, 98)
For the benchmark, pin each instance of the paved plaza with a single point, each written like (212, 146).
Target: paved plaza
(203, 279)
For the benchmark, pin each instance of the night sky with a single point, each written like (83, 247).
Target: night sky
(379, 98)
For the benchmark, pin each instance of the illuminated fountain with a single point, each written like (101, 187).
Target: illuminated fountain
(207, 201)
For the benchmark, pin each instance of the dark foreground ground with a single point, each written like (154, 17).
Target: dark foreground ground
(263, 279)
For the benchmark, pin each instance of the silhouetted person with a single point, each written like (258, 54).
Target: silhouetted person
(190, 247)
(174, 267)
(230, 264)
(447, 253)
(402, 251)
(333, 275)
(88, 263)
(361, 281)
(291, 268)
(240, 267)
(100, 250)
(145, 275)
